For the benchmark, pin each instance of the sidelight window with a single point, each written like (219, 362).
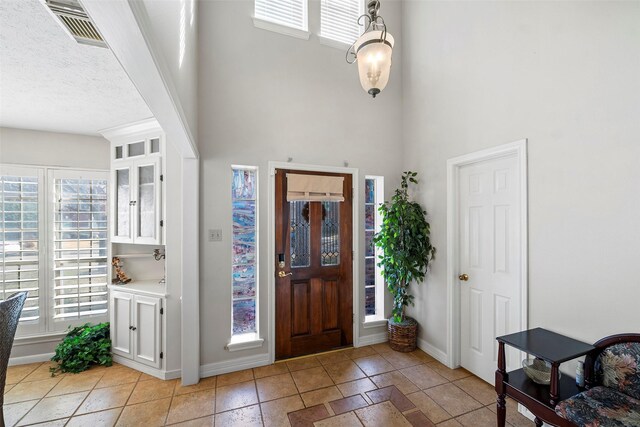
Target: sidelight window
(373, 280)
(244, 211)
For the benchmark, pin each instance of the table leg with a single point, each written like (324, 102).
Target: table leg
(501, 403)
(554, 393)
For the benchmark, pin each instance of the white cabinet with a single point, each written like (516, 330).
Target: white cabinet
(137, 201)
(136, 327)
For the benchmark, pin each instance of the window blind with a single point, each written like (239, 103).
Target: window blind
(79, 247)
(339, 19)
(19, 241)
(290, 13)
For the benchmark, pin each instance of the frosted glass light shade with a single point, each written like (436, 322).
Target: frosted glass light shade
(374, 61)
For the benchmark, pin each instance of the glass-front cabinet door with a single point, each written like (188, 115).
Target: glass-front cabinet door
(121, 227)
(147, 207)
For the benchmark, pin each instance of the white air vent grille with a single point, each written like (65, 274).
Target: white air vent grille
(76, 21)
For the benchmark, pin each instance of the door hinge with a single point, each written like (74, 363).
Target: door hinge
(161, 310)
(161, 355)
(162, 223)
(161, 177)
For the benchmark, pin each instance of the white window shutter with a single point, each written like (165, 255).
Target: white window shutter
(290, 13)
(339, 20)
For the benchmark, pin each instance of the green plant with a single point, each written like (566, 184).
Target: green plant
(83, 346)
(404, 238)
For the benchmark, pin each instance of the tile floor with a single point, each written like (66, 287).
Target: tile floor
(367, 386)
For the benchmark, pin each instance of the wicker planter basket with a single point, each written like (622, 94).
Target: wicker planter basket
(403, 336)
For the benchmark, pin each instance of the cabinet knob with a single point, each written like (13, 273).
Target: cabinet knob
(464, 277)
(132, 328)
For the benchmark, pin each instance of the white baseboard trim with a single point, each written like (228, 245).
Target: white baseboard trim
(373, 339)
(236, 364)
(34, 358)
(158, 373)
(433, 351)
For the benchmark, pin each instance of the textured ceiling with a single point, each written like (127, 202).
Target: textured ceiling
(50, 82)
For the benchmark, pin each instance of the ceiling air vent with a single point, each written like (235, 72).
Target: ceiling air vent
(76, 21)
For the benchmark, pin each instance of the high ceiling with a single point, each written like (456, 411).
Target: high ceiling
(50, 82)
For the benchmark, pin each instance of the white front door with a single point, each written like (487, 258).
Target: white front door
(489, 232)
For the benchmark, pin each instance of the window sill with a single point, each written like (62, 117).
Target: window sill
(374, 322)
(38, 339)
(244, 342)
(333, 43)
(280, 29)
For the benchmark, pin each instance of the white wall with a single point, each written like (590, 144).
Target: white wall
(565, 76)
(174, 27)
(265, 96)
(31, 147)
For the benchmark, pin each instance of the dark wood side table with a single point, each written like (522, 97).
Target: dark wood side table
(539, 399)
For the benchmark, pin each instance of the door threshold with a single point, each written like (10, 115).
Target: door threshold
(306, 356)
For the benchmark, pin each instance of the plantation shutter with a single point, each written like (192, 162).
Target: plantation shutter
(79, 244)
(20, 238)
(339, 19)
(290, 13)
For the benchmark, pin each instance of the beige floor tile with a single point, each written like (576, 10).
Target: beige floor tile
(397, 379)
(106, 398)
(423, 376)
(315, 397)
(274, 413)
(151, 390)
(8, 387)
(199, 422)
(30, 390)
(482, 417)
(373, 365)
(348, 419)
(311, 379)
(15, 411)
(243, 417)
(329, 358)
(303, 363)
(343, 371)
(431, 409)
(193, 405)
(452, 399)
(382, 347)
(401, 360)
(514, 418)
(275, 387)
(118, 375)
(450, 374)
(146, 377)
(480, 390)
(382, 415)
(424, 357)
(450, 423)
(52, 408)
(203, 384)
(152, 413)
(17, 373)
(235, 377)
(55, 423)
(43, 372)
(355, 353)
(96, 419)
(236, 396)
(269, 370)
(355, 387)
(74, 383)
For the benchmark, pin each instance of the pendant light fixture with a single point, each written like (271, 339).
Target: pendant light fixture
(372, 51)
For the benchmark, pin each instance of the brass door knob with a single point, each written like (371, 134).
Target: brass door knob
(283, 274)
(464, 277)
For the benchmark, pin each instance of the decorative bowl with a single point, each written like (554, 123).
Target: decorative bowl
(538, 370)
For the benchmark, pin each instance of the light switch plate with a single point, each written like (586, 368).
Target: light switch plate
(215, 235)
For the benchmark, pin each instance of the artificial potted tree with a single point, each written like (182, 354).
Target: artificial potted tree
(404, 239)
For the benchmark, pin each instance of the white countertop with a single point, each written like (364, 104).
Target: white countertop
(142, 287)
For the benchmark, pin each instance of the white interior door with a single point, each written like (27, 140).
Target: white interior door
(489, 221)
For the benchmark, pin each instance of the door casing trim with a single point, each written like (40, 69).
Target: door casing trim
(271, 272)
(519, 149)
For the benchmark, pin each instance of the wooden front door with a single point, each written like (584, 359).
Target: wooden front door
(314, 310)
